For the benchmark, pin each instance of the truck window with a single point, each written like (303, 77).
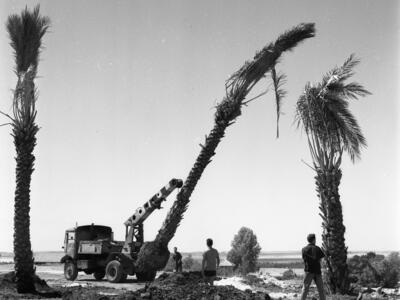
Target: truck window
(71, 236)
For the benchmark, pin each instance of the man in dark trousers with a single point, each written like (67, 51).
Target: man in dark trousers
(210, 263)
(178, 260)
(312, 255)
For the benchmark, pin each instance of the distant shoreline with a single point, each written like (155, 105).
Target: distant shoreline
(273, 258)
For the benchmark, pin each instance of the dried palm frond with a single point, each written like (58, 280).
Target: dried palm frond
(278, 80)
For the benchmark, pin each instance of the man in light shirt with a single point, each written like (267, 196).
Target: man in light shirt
(210, 263)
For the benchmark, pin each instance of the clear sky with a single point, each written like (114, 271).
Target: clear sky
(126, 94)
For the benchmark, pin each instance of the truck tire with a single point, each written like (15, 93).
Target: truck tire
(70, 270)
(146, 276)
(99, 275)
(114, 272)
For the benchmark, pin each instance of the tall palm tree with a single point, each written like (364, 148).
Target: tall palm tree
(26, 32)
(323, 111)
(154, 255)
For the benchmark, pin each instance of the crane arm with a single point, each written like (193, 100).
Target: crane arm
(134, 224)
(145, 210)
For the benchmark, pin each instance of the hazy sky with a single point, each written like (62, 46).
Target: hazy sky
(127, 92)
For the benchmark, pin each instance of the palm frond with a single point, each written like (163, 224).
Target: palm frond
(26, 32)
(278, 80)
(323, 111)
(289, 39)
(344, 127)
(242, 81)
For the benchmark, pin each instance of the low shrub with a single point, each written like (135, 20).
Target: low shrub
(288, 274)
(191, 264)
(372, 270)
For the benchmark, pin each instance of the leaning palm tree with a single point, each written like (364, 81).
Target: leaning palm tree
(154, 255)
(322, 110)
(26, 32)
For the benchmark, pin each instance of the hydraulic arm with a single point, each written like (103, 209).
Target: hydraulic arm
(134, 225)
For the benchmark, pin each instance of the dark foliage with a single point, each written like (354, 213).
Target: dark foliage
(245, 251)
(372, 270)
(26, 32)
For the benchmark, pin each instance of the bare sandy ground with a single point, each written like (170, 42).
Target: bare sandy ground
(53, 274)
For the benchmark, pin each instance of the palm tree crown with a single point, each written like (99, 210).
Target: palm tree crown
(26, 32)
(323, 111)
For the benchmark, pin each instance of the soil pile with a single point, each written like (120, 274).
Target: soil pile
(190, 285)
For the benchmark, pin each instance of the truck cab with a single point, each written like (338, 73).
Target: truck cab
(87, 248)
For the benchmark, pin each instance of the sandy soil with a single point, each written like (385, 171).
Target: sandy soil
(53, 274)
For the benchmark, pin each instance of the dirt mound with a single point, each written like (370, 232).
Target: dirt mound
(178, 278)
(8, 288)
(190, 285)
(186, 285)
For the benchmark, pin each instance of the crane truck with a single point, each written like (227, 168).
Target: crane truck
(93, 250)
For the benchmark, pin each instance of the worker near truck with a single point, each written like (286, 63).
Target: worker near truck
(178, 260)
(312, 256)
(210, 263)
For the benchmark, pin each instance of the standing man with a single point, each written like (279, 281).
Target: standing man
(312, 255)
(178, 260)
(210, 263)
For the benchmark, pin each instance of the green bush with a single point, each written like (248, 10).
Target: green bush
(191, 264)
(372, 270)
(390, 270)
(187, 262)
(245, 251)
(288, 274)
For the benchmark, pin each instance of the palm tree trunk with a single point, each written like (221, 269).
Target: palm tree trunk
(154, 255)
(237, 88)
(175, 215)
(24, 141)
(333, 241)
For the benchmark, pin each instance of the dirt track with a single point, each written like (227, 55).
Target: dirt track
(54, 276)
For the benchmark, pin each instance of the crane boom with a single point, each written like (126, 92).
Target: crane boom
(144, 211)
(134, 224)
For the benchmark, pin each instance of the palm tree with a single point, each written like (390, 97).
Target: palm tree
(26, 32)
(154, 255)
(322, 110)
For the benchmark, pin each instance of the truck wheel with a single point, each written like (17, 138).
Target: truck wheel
(146, 276)
(70, 270)
(114, 271)
(99, 275)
